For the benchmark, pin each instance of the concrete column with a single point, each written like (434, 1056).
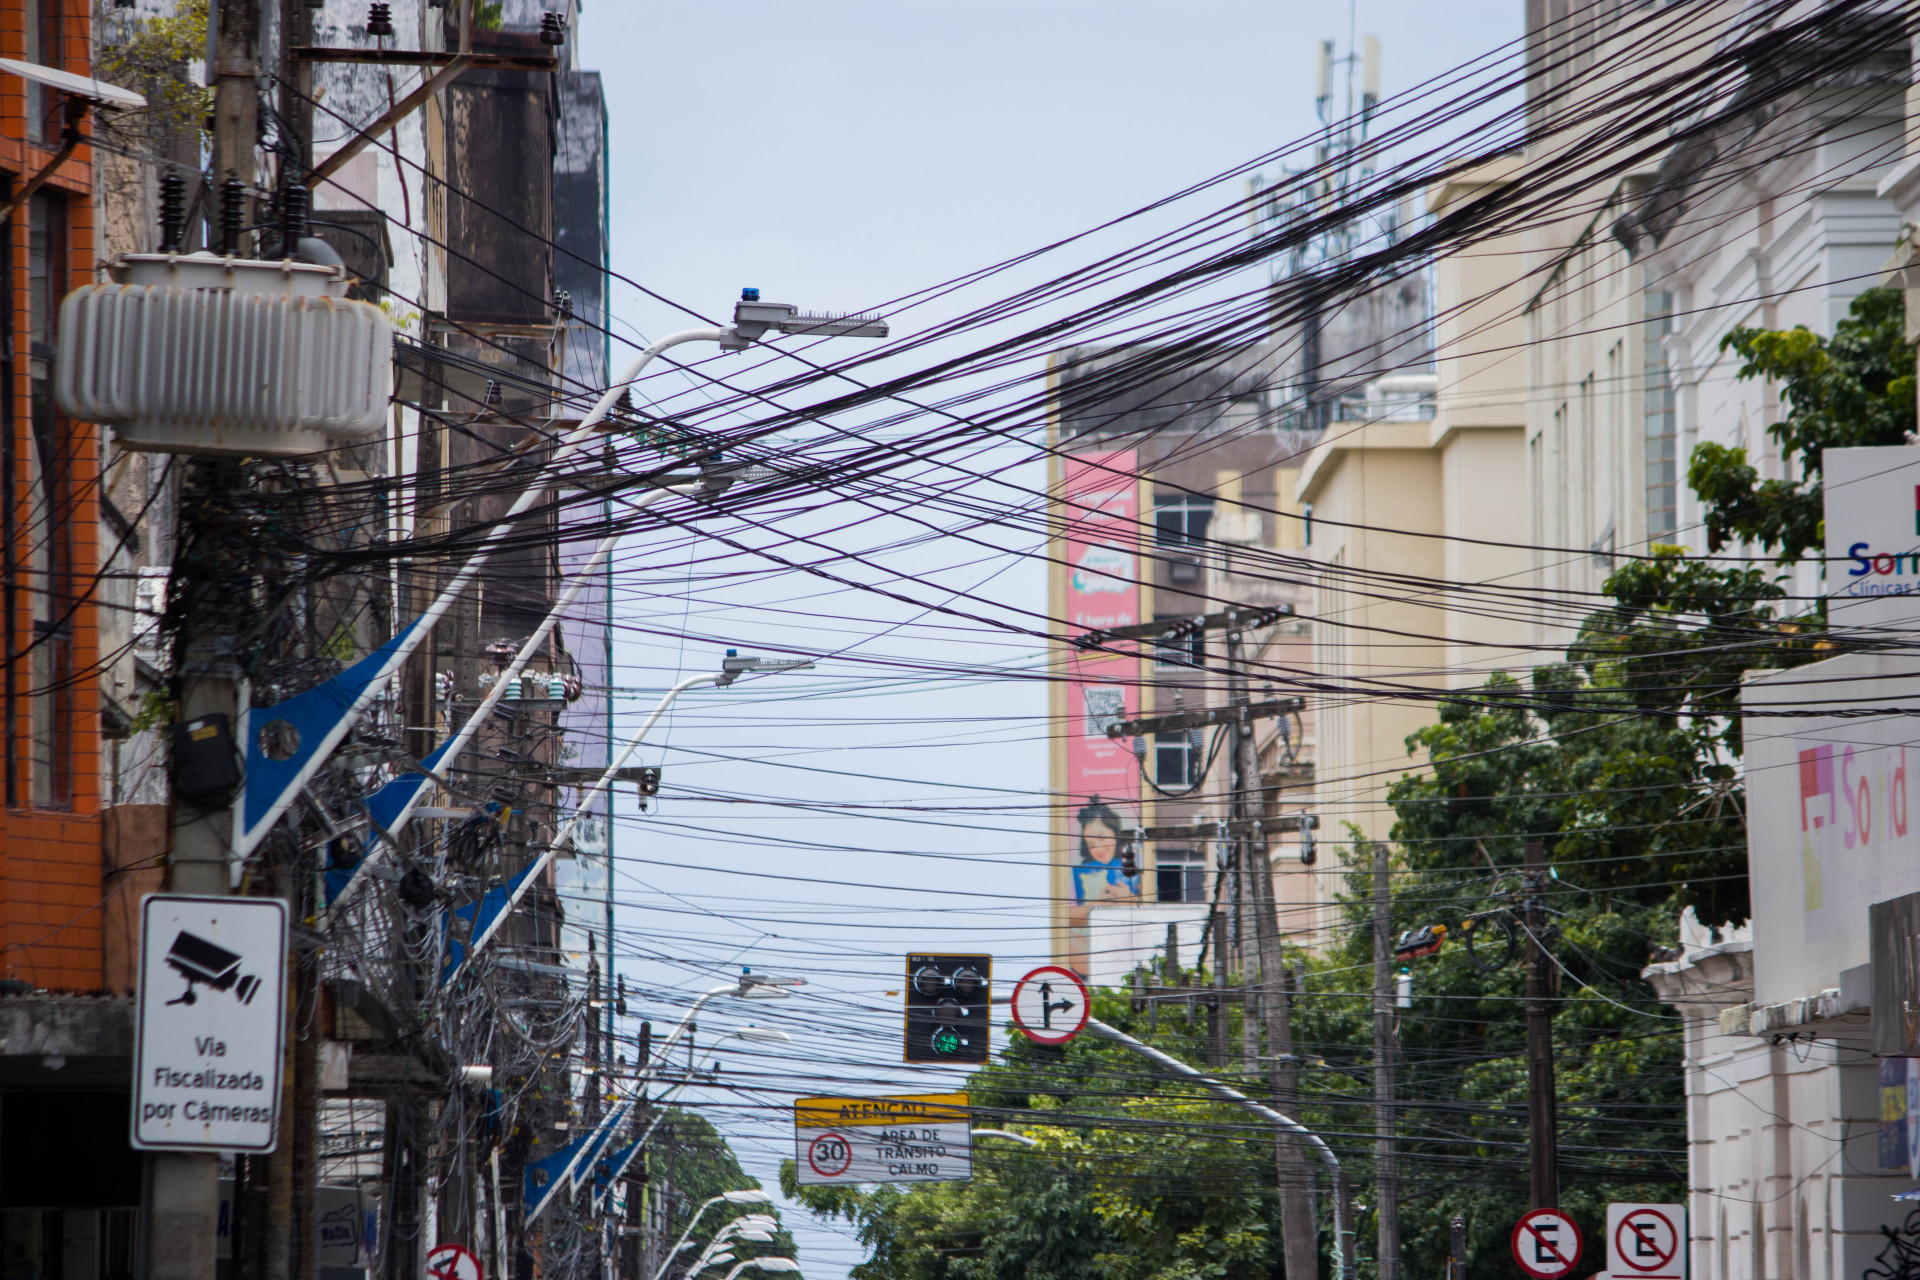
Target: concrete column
(183, 1216)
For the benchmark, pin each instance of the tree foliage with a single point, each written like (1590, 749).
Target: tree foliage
(150, 54)
(1853, 390)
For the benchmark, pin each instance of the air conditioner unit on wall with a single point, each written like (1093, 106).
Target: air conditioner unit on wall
(201, 354)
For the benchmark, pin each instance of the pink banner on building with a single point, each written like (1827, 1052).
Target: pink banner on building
(1100, 506)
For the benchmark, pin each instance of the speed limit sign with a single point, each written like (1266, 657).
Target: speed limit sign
(829, 1155)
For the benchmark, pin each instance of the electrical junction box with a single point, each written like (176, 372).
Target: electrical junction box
(206, 766)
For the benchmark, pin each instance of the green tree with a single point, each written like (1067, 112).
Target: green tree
(1853, 390)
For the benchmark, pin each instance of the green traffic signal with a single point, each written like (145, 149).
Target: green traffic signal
(948, 1008)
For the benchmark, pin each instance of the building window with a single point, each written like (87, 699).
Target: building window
(1181, 519)
(45, 107)
(1179, 875)
(47, 479)
(1663, 461)
(1176, 758)
(1181, 653)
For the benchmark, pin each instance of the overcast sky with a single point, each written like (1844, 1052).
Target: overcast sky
(835, 155)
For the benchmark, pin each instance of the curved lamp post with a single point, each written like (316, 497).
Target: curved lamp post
(749, 1195)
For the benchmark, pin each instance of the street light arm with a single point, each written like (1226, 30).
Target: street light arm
(354, 690)
(1020, 1138)
(612, 395)
(691, 1224)
(673, 1037)
(564, 837)
(1342, 1230)
(406, 791)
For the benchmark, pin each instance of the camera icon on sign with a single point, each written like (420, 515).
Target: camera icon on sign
(203, 962)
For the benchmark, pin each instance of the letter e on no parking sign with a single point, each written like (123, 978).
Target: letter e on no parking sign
(1546, 1244)
(1647, 1242)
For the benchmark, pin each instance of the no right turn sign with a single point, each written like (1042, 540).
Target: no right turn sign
(1647, 1241)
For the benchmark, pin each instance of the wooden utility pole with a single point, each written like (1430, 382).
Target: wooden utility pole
(1386, 1159)
(1299, 1233)
(1542, 1122)
(1245, 806)
(1271, 995)
(1217, 1012)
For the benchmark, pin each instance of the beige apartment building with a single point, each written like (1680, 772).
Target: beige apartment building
(1410, 494)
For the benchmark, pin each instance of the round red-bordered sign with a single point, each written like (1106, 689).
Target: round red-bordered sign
(830, 1154)
(1649, 1228)
(453, 1262)
(1546, 1244)
(1051, 1004)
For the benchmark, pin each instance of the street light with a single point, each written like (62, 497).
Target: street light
(1021, 1138)
(747, 1195)
(765, 1264)
(731, 670)
(271, 791)
(750, 986)
(757, 1227)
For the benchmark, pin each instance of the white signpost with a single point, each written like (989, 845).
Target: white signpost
(912, 1138)
(1546, 1243)
(1647, 1241)
(207, 1055)
(1051, 1004)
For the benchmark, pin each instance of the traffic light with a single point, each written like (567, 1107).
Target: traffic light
(947, 1008)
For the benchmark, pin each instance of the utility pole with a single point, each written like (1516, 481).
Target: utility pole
(1272, 993)
(1542, 1123)
(1217, 1016)
(183, 1196)
(1386, 1159)
(1250, 851)
(236, 94)
(1298, 1231)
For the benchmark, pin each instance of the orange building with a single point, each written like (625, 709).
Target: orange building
(51, 879)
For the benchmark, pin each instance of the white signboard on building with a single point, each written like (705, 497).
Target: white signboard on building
(1647, 1241)
(913, 1138)
(1832, 760)
(207, 1055)
(1872, 509)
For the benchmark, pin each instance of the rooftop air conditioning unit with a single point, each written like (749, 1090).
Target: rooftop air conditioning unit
(201, 354)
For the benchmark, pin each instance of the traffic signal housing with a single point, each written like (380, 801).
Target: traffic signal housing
(948, 999)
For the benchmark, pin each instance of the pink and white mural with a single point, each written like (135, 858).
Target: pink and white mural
(1100, 506)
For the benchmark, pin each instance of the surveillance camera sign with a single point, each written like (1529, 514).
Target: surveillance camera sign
(206, 1067)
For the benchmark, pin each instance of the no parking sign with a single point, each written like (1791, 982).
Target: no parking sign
(1647, 1242)
(1546, 1244)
